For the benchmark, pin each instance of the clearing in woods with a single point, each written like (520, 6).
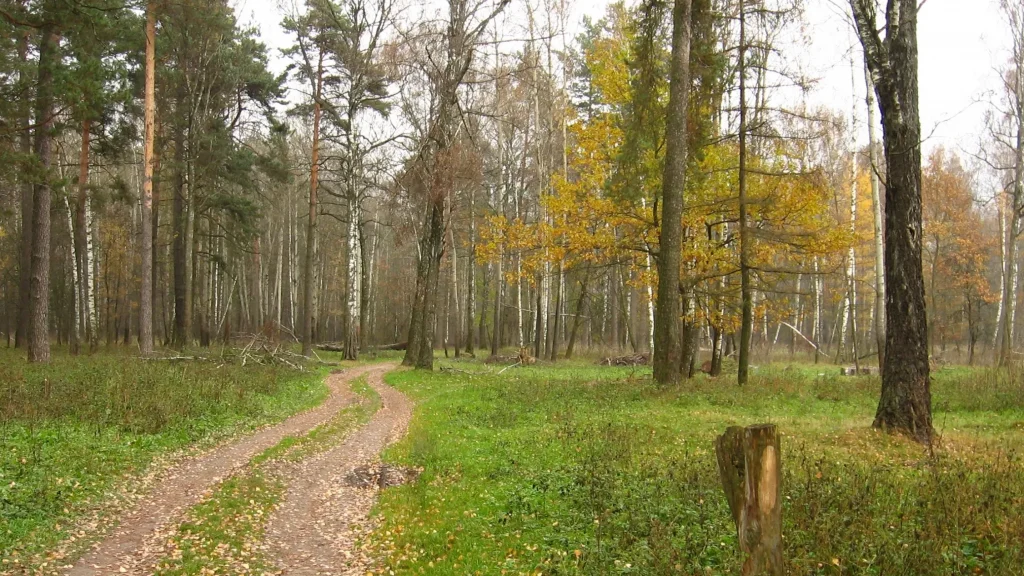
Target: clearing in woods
(576, 469)
(582, 469)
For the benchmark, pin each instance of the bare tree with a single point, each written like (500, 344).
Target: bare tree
(432, 167)
(1013, 142)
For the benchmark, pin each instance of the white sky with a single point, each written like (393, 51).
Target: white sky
(962, 43)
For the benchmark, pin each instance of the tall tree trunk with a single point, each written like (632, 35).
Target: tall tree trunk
(499, 284)
(76, 282)
(997, 332)
(420, 352)
(146, 272)
(746, 296)
(578, 319)
(471, 276)
(558, 313)
(180, 225)
(27, 195)
(307, 287)
(352, 274)
(481, 327)
(876, 205)
(80, 231)
(1010, 264)
(667, 347)
(366, 284)
(454, 290)
(92, 275)
(905, 403)
(39, 285)
(690, 335)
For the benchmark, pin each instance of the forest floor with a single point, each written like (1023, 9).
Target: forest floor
(568, 468)
(83, 437)
(179, 497)
(580, 469)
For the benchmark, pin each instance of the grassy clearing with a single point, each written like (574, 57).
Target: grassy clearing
(222, 534)
(578, 469)
(76, 431)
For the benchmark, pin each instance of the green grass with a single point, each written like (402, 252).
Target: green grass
(578, 469)
(222, 534)
(75, 432)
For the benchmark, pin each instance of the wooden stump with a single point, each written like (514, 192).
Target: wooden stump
(751, 471)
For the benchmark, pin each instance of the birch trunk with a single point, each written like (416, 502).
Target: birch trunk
(353, 270)
(76, 282)
(997, 332)
(876, 205)
(471, 276)
(81, 235)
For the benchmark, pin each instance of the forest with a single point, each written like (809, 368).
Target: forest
(494, 287)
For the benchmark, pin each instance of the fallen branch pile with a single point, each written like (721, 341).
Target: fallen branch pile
(258, 349)
(627, 360)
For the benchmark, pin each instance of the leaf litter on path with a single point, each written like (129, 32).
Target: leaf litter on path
(317, 528)
(134, 545)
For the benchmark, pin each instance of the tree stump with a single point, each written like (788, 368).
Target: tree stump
(751, 472)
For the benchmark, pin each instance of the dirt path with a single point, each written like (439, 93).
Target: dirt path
(130, 546)
(315, 529)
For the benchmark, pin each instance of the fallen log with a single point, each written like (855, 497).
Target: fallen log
(395, 346)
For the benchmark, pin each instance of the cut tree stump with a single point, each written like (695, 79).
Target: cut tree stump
(751, 472)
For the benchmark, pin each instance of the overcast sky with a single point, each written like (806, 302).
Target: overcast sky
(962, 43)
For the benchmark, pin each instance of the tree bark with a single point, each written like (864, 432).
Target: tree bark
(80, 232)
(905, 403)
(146, 272)
(27, 195)
(578, 319)
(352, 277)
(750, 467)
(667, 347)
(307, 272)
(39, 283)
(499, 285)
(420, 353)
(471, 277)
(365, 266)
(746, 296)
(180, 225)
(876, 205)
(1010, 265)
